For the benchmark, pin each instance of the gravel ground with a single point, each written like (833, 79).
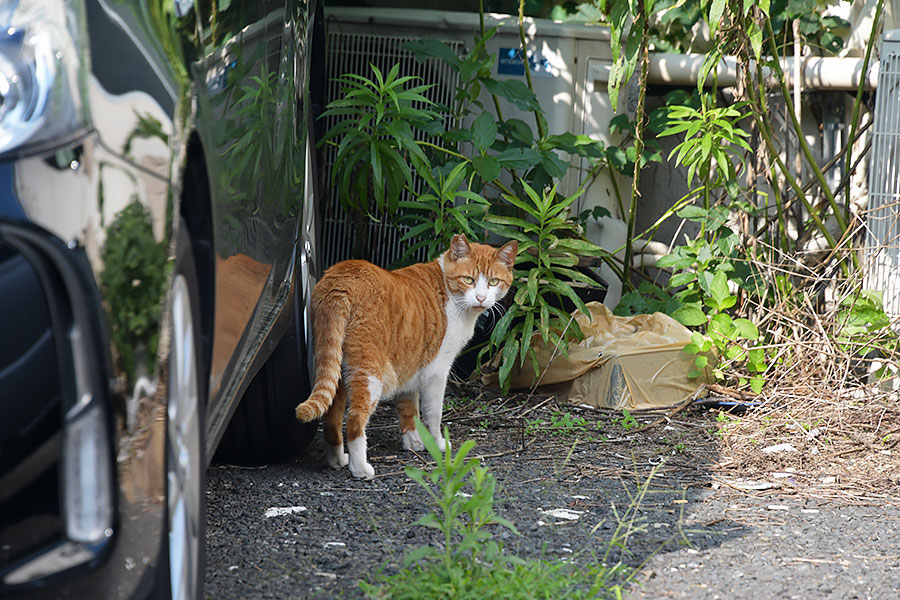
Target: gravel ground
(695, 534)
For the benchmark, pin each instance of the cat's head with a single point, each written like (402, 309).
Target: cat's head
(478, 275)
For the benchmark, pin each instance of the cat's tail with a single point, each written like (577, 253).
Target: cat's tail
(330, 324)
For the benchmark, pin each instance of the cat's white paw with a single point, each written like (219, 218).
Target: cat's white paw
(336, 457)
(412, 441)
(363, 471)
(441, 443)
(359, 466)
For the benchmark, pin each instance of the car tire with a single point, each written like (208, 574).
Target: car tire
(263, 428)
(184, 545)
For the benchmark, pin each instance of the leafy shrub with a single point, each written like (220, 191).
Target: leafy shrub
(132, 283)
(550, 259)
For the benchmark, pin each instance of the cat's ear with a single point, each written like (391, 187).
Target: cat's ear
(459, 247)
(506, 254)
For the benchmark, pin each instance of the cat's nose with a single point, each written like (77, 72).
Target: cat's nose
(480, 298)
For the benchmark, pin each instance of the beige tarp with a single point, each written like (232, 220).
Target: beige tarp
(623, 362)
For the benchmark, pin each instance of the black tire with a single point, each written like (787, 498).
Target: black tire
(184, 547)
(263, 428)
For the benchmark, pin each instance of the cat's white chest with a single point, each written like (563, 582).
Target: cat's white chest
(460, 328)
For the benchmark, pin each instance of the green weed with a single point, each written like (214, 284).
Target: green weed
(470, 563)
(628, 421)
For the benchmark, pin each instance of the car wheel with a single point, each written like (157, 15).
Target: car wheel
(263, 428)
(185, 439)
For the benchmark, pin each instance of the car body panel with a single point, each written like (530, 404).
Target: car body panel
(157, 81)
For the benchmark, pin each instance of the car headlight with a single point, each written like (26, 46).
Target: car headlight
(42, 69)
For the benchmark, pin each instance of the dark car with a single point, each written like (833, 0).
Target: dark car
(157, 250)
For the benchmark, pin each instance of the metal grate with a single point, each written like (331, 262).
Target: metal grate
(883, 256)
(352, 53)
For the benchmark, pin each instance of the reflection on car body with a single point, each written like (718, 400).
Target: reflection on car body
(157, 236)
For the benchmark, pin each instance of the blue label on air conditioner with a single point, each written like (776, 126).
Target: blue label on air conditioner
(510, 62)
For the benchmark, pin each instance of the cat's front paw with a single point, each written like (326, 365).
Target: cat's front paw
(412, 441)
(442, 444)
(336, 457)
(363, 471)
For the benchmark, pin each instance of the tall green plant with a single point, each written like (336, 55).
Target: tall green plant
(375, 143)
(712, 144)
(548, 259)
(708, 273)
(442, 212)
(133, 280)
(465, 539)
(470, 564)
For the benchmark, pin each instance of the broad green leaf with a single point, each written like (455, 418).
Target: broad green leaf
(674, 261)
(515, 91)
(519, 158)
(682, 278)
(618, 160)
(735, 353)
(756, 384)
(746, 329)
(690, 316)
(553, 164)
(692, 213)
(718, 289)
(517, 130)
(487, 167)
(484, 132)
(756, 360)
(722, 323)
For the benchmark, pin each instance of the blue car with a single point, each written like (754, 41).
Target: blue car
(158, 215)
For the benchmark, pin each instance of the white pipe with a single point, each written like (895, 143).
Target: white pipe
(819, 72)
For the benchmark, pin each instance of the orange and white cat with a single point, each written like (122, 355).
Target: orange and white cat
(381, 334)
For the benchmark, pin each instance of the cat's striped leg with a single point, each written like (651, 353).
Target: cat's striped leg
(365, 392)
(332, 429)
(408, 410)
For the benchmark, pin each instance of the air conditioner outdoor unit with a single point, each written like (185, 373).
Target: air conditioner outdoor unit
(883, 211)
(569, 63)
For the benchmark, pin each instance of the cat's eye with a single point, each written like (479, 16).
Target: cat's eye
(468, 280)
(494, 281)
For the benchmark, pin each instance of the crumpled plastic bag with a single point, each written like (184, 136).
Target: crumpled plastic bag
(623, 362)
